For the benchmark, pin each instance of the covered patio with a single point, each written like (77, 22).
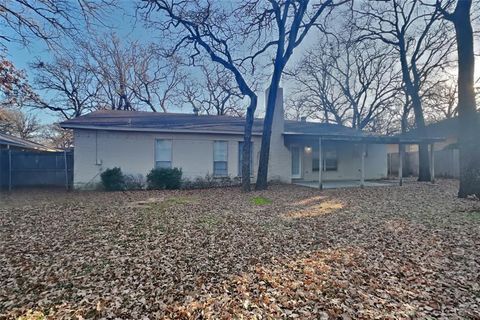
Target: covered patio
(346, 184)
(338, 161)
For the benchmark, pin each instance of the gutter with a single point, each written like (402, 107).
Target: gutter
(159, 130)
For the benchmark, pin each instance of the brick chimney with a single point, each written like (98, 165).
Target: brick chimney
(279, 167)
(278, 123)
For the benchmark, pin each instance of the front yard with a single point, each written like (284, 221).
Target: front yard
(289, 252)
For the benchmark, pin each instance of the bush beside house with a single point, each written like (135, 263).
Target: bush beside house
(113, 179)
(164, 178)
(160, 179)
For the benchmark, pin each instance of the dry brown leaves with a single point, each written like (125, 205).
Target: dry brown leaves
(391, 253)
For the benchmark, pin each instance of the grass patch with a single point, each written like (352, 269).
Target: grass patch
(261, 201)
(473, 216)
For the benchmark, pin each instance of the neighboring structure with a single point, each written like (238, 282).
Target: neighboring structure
(10, 142)
(201, 144)
(447, 162)
(25, 163)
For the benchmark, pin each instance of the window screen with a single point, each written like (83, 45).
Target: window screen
(163, 154)
(329, 159)
(220, 158)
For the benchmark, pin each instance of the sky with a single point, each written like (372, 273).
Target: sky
(124, 23)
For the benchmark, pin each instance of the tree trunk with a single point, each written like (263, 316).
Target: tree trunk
(247, 144)
(469, 143)
(262, 177)
(413, 92)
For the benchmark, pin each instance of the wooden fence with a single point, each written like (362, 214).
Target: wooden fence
(20, 169)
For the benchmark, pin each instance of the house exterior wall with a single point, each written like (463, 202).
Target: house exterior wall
(349, 163)
(279, 160)
(134, 153)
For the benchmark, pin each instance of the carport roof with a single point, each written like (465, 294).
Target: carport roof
(6, 139)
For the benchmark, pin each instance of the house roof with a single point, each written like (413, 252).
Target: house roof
(444, 128)
(189, 123)
(182, 122)
(160, 122)
(6, 139)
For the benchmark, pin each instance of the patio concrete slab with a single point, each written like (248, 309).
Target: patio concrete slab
(346, 184)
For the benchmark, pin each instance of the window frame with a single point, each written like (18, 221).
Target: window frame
(331, 148)
(155, 153)
(324, 160)
(225, 161)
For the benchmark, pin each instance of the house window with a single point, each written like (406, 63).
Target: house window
(329, 159)
(163, 153)
(315, 160)
(220, 158)
(240, 158)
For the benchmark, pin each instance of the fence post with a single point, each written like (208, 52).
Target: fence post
(66, 168)
(9, 169)
(1, 170)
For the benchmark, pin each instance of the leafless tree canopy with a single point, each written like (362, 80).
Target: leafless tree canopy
(20, 124)
(347, 81)
(208, 29)
(212, 92)
(49, 20)
(73, 87)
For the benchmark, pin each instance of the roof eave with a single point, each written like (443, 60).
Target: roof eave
(367, 139)
(158, 130)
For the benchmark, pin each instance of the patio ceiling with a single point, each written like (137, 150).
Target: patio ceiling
(292, 137)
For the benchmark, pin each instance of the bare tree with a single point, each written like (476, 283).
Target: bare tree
(71, 85)
(300, 106)
(132, 75)
(156, 79)
(213, 30)
(213, 91)
(49, 20)
(287, 23)
(349, 82)
(56, 137)
(316, 91)
(467, 111)
(19, 124)
(422, 43)
(112, 61)
(440, 101)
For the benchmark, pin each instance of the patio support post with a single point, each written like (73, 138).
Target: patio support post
(401, 151)
(320, 164)
(362, 169)
(432, 163)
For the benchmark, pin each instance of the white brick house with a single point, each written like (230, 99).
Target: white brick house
(202, 144)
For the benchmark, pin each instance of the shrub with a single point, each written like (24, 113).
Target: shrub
(113, 179)
(134, 182)
(209, 181)
(164, 178)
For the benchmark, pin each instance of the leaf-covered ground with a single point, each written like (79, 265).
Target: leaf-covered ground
(389, 252)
